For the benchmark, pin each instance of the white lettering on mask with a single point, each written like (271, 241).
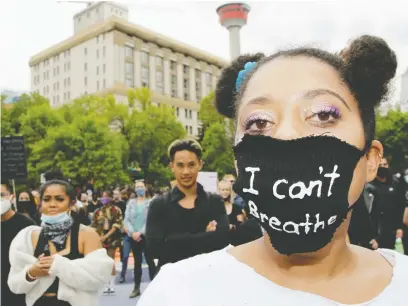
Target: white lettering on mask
(251, 181)
(290, 227)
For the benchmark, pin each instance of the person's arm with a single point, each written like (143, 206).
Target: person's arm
(185, 245)
(145, 212)
(86, 274)
(126, 221)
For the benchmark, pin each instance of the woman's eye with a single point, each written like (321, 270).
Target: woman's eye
(258, 125)
(324, 117)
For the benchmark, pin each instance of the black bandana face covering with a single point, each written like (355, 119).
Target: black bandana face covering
(297, 189)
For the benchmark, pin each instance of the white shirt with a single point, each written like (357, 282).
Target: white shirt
(219, 279)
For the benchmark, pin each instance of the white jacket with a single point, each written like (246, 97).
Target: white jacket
(79, 279)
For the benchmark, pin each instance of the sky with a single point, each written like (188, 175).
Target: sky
(28, 27)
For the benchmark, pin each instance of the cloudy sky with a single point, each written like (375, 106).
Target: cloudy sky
(28, 27)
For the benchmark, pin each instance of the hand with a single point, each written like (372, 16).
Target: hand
(46, 262)
(212, 226)
(374, 244)
(125, 230)
(400, 233)
(103, 238)
(36, 269)
(136, 236)
(232, 227)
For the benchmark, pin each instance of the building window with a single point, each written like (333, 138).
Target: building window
(191, 130)
(177, 111)
(85, 51)
(159, 61)
(186, 127)
(57, 85)
(58, 99)
(104, 68)
(129, 82)
(104, 83)
(97, 85)
(103, 51)
(186, 69)
(86, 67)
(85, 81)
(97, 70)
(69, 81)
(145, 58)
(190, 114)
(69, 66)
(145, 77)
(69, 95)
(128, 51)
(97, 39)
(186, 113)
(159, 82)
(53, 86)
(129, 68)
(65, 96)
(58, 70)
(97, 53)
(173, 66)
(208, 81)
(65, 83)
(174, 86)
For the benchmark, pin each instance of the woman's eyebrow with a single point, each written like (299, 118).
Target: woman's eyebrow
(321, 91)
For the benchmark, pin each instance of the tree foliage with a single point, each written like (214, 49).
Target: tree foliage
(94, 137)
(392, 132)
(218, 155)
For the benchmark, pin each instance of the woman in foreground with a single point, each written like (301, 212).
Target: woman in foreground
(62, 262)
(304, 151)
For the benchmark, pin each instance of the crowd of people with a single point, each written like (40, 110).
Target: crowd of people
(312, 199)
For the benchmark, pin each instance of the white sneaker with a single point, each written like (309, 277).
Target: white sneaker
(112, 291)
(106, 291)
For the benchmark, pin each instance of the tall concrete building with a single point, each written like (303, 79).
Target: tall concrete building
(404, 91)
(108, 54)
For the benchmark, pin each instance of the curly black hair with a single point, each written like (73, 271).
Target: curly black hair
(366, 66)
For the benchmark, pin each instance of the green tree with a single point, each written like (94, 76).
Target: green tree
(83, 149)
(392, 131)
(150, 132)
(217, 146)
(6, 128)
(208, 114)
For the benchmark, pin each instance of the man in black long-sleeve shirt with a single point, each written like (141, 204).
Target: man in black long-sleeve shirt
(387, 208)
(186, 221)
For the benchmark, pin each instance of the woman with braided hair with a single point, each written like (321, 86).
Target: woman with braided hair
(304, 150)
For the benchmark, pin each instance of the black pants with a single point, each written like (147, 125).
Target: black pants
(50, 301)
(405, 240)
(138, 248)
(387, 240)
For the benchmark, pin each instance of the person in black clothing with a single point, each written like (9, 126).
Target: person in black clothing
(387, 208)
(94, 204)
(360, 230)
(11, 224)
(403, 195)
(26, 206)
(120, 199)
(187, 221)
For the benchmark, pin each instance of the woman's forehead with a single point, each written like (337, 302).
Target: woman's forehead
(288, 77)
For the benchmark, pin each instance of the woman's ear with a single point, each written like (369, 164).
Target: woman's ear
(374, 155)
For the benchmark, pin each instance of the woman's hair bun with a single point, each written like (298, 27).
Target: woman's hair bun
(370, 65)
(225, 91)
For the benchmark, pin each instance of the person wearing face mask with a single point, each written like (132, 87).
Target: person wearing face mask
(108, 222)
(26, 206)
(304, 150)
(61, 262)
(11, 224)
(387, 208)
(134, 227)
(403, 195)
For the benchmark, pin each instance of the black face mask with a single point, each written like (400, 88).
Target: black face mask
(297, 189)
(26, 207)
(383, 172)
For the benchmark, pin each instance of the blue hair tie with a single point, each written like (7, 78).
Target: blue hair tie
(241, 75)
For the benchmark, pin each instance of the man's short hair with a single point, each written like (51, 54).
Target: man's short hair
(185, 144)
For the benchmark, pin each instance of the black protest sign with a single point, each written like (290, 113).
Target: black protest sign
(13, 159)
